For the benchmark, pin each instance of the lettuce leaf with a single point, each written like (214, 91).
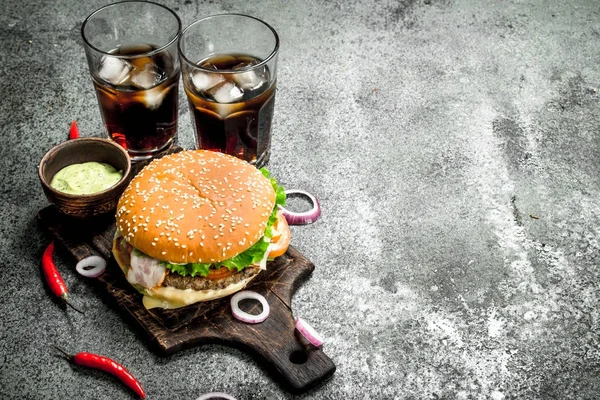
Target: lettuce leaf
(250, 256)
(279, 201)
(279, 190)
(192, 269)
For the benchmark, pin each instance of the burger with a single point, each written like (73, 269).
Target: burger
(196, 226)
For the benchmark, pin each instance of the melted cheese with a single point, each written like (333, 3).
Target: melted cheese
(169, 297)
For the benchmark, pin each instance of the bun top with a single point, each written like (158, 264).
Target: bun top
(195, 206)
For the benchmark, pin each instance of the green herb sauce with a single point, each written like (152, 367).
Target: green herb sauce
(86, 178)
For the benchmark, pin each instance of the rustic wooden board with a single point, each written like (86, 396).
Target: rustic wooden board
(274, 342)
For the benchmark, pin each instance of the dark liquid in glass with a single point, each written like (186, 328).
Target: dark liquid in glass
(138, 98)
(233, 110)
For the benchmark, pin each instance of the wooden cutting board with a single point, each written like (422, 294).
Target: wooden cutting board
(296, 365)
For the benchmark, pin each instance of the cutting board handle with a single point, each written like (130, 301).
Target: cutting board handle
(285, 351)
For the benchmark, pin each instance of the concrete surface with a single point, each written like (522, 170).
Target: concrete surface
(455, 148)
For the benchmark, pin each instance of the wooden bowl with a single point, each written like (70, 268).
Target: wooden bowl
(79, 151)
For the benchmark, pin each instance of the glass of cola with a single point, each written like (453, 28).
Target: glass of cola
(229, 73)
(131, 50)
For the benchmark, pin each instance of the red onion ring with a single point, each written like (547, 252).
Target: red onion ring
(309, 332)
(302, 218)
(244, 316)
(97, 264)
(215, 396)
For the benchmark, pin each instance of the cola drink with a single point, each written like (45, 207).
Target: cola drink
(131, 51)
(137, 92)
(232, 98)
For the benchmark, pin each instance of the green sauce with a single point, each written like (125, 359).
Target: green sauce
(86, 178)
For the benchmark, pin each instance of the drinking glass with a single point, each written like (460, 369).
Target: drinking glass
(229, 73)
(131, 50)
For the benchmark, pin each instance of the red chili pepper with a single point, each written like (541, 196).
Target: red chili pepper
(120, 139)
(107, 365)
(73, 131)
(53, 278)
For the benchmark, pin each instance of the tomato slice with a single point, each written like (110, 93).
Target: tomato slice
(281, 237)
(220, 273)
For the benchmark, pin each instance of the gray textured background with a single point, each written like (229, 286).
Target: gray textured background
(454, 146)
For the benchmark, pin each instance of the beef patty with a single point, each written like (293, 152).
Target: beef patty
(202, 283)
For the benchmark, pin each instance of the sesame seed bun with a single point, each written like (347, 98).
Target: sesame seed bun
(195, 206)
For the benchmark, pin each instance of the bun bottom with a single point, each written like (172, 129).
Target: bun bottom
(170, 297)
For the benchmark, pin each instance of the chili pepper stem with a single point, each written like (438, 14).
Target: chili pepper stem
(64, 352)
(65, 298)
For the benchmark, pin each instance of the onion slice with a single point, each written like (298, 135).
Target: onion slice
(215, 396)
(244, 316)
(301, 218)
(91, 266)
(309, 332)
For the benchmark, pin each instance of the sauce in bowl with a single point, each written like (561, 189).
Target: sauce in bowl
(86, 178)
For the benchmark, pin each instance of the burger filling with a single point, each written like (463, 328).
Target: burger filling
(145, 272)
(200, 283)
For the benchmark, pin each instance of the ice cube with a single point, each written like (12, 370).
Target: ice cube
(244, 65)
(153, 97)
(251, 79)
(209, 65)
(114, 70)
(146, 78)
(226, 92)
(225, 110)
(204, 81)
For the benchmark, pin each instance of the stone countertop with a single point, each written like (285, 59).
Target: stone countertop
(455, 148)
